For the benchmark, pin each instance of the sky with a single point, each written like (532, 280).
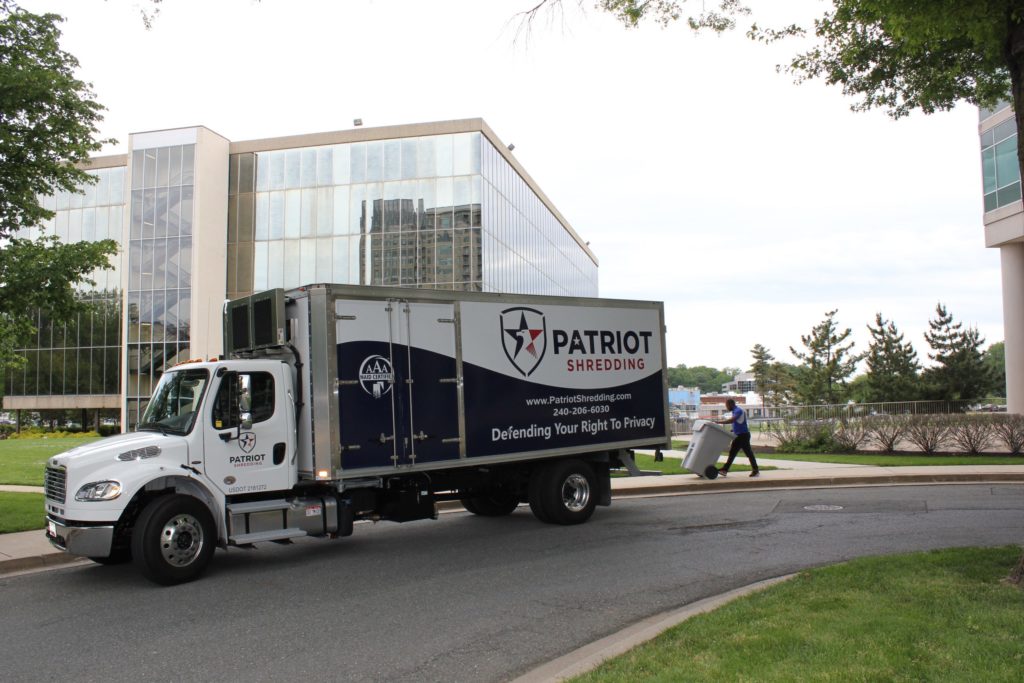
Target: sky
(699, 175)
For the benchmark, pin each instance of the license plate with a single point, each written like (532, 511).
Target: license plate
(51, 530)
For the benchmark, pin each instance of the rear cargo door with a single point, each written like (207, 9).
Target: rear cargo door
(397, 383)
(430, 401)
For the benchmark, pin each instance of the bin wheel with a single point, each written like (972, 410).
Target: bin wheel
(711, 472)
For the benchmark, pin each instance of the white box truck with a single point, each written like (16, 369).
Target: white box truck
(339, 403)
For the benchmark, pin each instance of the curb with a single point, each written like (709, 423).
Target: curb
(590, 656)
(16, 565)
(704, 486)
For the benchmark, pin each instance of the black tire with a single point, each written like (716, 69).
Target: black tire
(495, 504)
(711, 472)
(566, 492)
(537, 479)
(173, 539)
(117, 556)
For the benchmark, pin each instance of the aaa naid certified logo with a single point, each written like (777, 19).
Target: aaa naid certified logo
(524, 337)
(376, 376)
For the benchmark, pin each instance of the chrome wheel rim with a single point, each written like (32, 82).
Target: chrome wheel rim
(181, 540)
(575, 493)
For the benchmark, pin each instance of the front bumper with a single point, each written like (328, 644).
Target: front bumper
(89, 541)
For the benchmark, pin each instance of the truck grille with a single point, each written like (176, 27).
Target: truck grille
(55, 483)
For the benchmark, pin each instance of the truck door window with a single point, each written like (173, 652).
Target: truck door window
(256, 387)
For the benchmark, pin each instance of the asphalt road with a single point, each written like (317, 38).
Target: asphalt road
(463, 598)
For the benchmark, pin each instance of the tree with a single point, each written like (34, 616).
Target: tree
(995, 361)
(959, 371)
(761, 368)
(47, 118)
(827, 362)
(892, 367)
(708, 380)
(47, 127)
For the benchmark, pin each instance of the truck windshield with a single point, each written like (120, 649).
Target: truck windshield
(175, 403)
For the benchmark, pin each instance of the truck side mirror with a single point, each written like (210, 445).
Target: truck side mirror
(245, 421)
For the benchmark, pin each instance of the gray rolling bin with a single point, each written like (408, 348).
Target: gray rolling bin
(708, 442)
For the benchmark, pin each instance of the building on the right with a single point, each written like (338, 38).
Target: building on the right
(1004, 228)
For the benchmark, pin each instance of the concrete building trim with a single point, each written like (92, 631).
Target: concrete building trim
(412, 130)
(109, 161)
(71, 402)
(209, 243)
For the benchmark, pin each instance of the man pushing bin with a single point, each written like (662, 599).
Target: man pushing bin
(741, 438)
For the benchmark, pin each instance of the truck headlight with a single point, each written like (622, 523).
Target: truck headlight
(99, 490)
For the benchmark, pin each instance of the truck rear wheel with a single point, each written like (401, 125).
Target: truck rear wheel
(173, 539)
(563, 492)
(495, 504)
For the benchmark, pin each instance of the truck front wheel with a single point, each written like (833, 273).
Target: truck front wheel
(563, 492)
(173, 539)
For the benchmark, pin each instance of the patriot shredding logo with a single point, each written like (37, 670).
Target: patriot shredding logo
(524, 338)
(376, 376)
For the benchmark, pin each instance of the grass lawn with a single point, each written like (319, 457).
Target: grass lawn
(901, 460)
(936, 616)
(21, 512)
(22, 461)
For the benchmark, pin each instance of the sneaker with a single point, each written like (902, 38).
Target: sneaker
(755, 473)
(723, 473)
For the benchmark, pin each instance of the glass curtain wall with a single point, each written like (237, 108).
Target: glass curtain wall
(1000, 170)
(159, 267)
(82, 355)
(390, 212)
(526, 249)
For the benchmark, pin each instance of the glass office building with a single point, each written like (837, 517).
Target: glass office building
(440, 205)
(1004, 229)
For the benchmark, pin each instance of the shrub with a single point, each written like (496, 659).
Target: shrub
(972, 433)
(109, 430)
(849, 435)
(928, 432)
(1009, 431)
(887, 431)
(805, 436)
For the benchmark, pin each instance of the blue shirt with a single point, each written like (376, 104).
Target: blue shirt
(739, 421)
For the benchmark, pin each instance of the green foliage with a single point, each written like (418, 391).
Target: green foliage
(47, 118)
(47, 127)
(775, 380)
(892, 365)
(707, 379)
(960, 371)
(995, 360)
(827, 362)
(41, 274)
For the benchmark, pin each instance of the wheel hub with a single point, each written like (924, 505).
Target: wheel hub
(575, 493)
(181, 540)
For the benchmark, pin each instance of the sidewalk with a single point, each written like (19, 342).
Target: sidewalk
(29, 550)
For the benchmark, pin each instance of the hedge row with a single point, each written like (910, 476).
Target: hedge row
(959, 433)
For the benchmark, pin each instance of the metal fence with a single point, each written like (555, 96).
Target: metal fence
(760, 414)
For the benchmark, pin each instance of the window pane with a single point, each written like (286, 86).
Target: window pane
(443, 160)
(357, 167)
(341, 212)
(262, 227)
(307, 175)
(292, 169)
(324, 260)
(461, 157)
(342, 164)
(374, 161)
(324, 166)
(259, 267)
(276, 215)
(308, 218)
(409, 147)
(1007, 168)
(292, 213)
(324, 210)
(392, 160)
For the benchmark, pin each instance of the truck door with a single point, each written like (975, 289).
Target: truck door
(249, 442)
(397, 383)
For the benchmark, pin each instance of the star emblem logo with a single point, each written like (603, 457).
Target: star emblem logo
(523, 337)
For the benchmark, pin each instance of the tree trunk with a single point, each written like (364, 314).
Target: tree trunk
(1015, 63)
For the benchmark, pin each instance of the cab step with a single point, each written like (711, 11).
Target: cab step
(272, 535)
